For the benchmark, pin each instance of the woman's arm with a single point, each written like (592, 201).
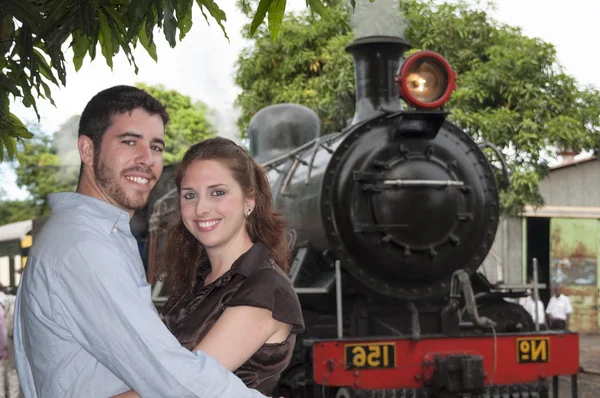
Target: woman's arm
(239, 332)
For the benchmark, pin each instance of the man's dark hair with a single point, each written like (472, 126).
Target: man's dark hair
(100, 110)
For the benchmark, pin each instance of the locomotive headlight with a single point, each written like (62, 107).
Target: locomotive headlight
(426, 80)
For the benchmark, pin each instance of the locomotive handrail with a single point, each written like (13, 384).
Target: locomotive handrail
(282, 158)
(435, 183)
(158, 211)
(487, 144)
(312, 159)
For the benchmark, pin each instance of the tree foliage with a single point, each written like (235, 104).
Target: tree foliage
(189, 122)
(306, 64)
(32, 34)
(12, 210)
(511, 90)
(48, 166)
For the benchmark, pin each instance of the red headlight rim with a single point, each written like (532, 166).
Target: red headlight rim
(407, 64)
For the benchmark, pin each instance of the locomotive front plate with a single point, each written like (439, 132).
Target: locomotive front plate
(370, 356)
(533, 349)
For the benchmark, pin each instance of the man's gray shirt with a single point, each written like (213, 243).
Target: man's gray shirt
(85, 324)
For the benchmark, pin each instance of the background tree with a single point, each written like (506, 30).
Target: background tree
(306, 64)
(50, 163)
(32, 34)
(189, 122)
(511, 89)
(14, 210)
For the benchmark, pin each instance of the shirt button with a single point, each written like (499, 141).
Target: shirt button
(114, 230)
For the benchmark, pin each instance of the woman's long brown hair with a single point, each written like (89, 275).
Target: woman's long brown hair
(182, 255)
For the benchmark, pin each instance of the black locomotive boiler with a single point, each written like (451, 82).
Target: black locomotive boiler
(389, 221)
(401, 198)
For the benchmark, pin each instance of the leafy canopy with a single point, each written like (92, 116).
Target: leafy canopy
(189, 122)
(32, 34)
(511, 90)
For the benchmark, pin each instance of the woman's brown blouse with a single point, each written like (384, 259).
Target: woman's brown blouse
(253, 280)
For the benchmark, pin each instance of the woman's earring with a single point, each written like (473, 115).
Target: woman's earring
(249, 211)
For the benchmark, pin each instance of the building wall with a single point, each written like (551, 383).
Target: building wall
(575, 185)
(504, 263)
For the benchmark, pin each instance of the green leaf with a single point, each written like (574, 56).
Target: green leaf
(317, 6)
(47, 92)
(170, 24)
(10, 88)
(25, 12)
(276, 11)
(80, 46)
(19, 128)
(7, 29)
(9, 144)
(259, 17)
(215, 12)
(136, 13)
(44, 68)
(105, 38)
(184, 17)
(147, 43)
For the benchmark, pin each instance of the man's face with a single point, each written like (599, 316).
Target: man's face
(130, 160)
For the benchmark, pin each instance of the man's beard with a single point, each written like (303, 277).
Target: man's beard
(107, 180)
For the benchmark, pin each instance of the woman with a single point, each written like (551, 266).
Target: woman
(226, 262)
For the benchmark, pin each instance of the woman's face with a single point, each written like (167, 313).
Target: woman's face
(213, 206)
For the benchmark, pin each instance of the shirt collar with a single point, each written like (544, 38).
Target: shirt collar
(252, 260)
(108, 215)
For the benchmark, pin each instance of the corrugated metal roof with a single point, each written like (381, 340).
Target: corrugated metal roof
(16, 230)
(572, 163)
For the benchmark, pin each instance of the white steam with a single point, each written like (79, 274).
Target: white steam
(378, 18)
(65, 141)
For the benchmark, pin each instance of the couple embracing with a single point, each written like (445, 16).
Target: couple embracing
(85, 324)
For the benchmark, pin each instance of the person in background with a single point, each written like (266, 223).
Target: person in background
(3, 342)
(559, 310)
(9, 371)
(529, 305)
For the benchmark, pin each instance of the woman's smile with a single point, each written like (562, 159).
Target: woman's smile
(208, 225)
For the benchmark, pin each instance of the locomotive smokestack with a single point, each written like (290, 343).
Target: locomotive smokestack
(377, 50)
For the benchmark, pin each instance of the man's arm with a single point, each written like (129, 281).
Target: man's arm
(101, 302)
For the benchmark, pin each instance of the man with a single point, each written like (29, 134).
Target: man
(559, 309)
(529, 305)
(85, 325)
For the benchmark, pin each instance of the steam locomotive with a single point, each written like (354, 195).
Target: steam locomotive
(389, 221)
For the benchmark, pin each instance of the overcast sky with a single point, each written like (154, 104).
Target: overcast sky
(202, 65)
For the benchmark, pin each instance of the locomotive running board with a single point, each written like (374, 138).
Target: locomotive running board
(400, 363)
